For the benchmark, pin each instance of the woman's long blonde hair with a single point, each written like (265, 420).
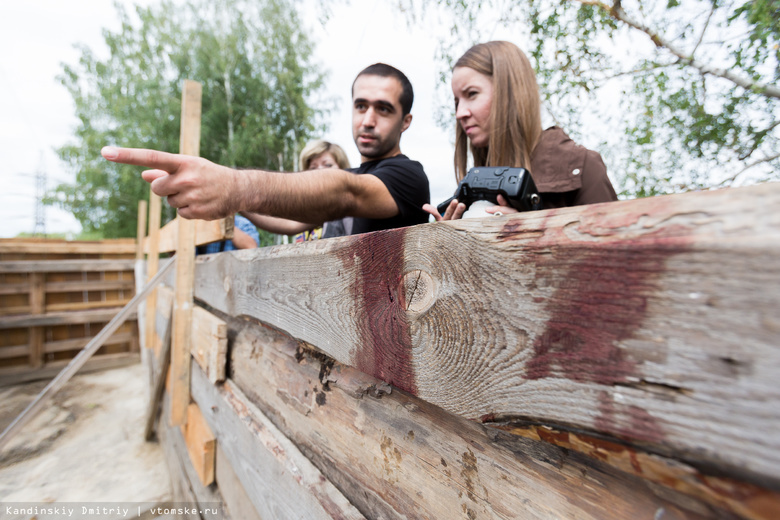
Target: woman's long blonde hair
(515, 114)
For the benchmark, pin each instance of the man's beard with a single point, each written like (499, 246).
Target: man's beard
(379, 147)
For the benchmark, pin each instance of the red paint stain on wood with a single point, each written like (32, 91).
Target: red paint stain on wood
(385, 349)
(599, 302)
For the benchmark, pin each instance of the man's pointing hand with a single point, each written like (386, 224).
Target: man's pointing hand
(196, 187)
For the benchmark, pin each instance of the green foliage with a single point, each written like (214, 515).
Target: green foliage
(676, 95)
(254, 63)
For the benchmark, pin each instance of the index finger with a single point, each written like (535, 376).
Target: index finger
(141, 157)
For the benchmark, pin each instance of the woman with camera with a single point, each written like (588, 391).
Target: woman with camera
(498, 113)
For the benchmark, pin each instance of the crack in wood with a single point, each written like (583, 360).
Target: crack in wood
(414, 290)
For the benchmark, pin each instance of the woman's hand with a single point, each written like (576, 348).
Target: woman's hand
(503, 207)
(454, 211)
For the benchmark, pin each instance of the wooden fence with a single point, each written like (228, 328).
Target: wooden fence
(55, 296)
(618, 360)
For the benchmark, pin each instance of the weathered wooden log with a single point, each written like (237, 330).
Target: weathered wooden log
(278, 479)
(652, 322)
(392, 454)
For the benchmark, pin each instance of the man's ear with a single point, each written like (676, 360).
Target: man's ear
(407, 122)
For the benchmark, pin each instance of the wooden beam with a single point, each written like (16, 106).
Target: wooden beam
(280, 481)
(209, 343)
(641, 320)
(205, 233)
(153, 260)
(158, 383)
(65, 266)
(80, 306)
(60, 318)
(201, 444)
(189, 144)
(119, 247)
(162, 326)
(140, 230)
(37, 308)
(396, 456)
(79, 343)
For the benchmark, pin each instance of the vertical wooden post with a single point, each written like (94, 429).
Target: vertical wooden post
(155, 207)
(138, 275)
(140, 230)
(37, 306)
(181, 339)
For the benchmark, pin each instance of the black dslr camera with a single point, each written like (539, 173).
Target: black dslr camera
(486, 183)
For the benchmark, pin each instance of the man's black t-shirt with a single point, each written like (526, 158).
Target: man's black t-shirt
(408, 185)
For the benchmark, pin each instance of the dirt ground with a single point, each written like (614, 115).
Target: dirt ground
(87, 445)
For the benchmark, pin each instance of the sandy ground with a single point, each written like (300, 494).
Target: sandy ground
(86, 446)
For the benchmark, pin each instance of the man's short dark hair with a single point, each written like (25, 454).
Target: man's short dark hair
(388, 71)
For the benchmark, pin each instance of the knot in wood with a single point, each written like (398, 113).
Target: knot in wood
(419, 290)
(226, 284)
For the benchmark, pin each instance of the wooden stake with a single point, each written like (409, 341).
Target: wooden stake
(155, 206)
(141, 230)
(189, 144)
(37, 306)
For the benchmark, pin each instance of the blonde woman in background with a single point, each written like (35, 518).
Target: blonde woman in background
(316, 155)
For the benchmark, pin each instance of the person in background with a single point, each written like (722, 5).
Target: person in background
(498, 114)
(245, 236)
(318, 154)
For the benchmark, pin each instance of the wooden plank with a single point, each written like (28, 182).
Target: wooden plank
(140, 230)
(14, 351)
(65, 266)
(206, 231)
(79, 343)
(641, 320)
(80, 306)
(153, 260)
(60, 318)
(18, 375)
(96, 285)
(14, 288)
(201, 444)
(121, 246)
(237, 501)
(162, 321)
(159, 377)
(209, 343)
(181, 339)
(187, 488)
(37, 307)
(393, 454)
(280, 481)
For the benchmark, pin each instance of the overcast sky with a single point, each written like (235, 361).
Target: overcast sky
(37, 116)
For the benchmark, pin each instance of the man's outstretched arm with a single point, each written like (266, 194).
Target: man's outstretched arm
(201, 189)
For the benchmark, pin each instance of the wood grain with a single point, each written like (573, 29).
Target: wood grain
(181, 339)
(280, 481)
(37, 246)
(395, 456)
(65, 266)
(653, 322)
(206, 231)
(201, 444)
(209, 343)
